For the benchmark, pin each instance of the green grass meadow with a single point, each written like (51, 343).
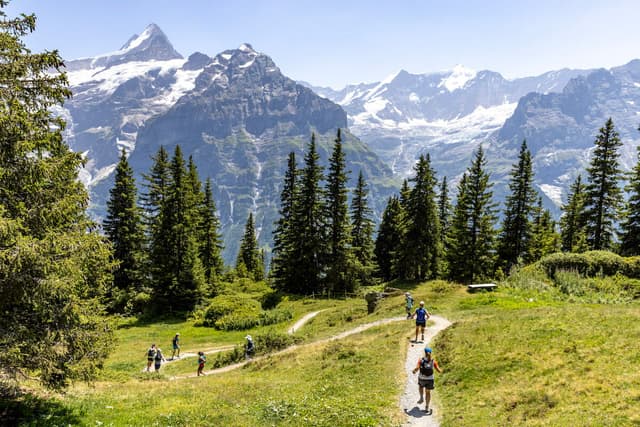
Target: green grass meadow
(522, 355)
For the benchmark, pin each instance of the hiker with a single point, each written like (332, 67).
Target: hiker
(202, 359)
(249, 348)
(426, 366)
(409, 304)
(159, 358)
(422, 315)
(176, 346)
(151, 354)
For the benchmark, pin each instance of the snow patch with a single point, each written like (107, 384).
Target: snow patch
(553, 192)
(414, 98)
(459, 76)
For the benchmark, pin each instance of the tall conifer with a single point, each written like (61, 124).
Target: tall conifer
(211, 244)
(339, 257)
(389, 239)
(284, 232)
(54, 266)
(310, 235)
(630, 227)
(123, 227)
(249, 256)
(573, 222)
(421, 251)
(472, 236)
(515, 236)
(362, 232)
(603, 196)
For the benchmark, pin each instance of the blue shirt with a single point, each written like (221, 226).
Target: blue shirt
(421, 315)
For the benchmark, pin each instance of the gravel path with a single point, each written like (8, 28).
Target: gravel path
(415, 416)
(302, 321)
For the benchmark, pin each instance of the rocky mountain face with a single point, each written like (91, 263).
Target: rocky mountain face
(560, 128)
(236, 114)
(448, 114)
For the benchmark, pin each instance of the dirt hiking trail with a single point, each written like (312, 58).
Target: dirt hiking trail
(408, 400)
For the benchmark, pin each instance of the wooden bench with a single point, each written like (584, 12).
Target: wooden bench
(482, 286)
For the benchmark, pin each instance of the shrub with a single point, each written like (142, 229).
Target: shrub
(241, 320)
(223, 305)
(588, 264)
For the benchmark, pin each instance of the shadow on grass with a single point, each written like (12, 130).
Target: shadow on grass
(30, 410)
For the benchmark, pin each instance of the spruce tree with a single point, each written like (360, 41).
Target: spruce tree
(54, 266)
(544, 238)
(444, 210)
(603, 196)
(362, 232)
(389, 239)
(339, 259)
(472, 236)
(283, 234)
(211, 244)
(515, 236)
(249, 256)
(573, 223)
(421, 252)
(630, 227)
(123, 227)
(179, 277)
(309, 228)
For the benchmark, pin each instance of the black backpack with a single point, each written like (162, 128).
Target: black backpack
(426, 367)
(151, 352)
(158, 355)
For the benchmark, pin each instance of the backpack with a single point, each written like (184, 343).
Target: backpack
(426, 367)
(151, 353)
(158, 355)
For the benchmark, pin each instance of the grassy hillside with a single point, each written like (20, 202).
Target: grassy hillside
(527, 354)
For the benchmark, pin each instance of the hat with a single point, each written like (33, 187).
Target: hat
(421, 302)
(427, 349)
(407, 293)
(177, 333)
(249, 337)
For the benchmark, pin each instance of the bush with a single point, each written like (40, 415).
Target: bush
(224, 305)
(588, 264)
(241, 320)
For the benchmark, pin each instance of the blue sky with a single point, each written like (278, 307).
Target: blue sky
(333, 43)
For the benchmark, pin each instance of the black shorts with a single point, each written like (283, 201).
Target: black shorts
(428, 384)
(423, 324)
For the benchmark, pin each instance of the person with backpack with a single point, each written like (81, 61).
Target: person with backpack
(202, 359)
(158, 359)
(249, 348)
(422, 315)
(175, 342)
(426, 365)
(151, 355)
(408, 304)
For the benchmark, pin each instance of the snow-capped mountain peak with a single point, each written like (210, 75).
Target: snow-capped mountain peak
(457, 78)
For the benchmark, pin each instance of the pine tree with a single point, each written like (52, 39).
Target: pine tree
(572, 223)
(389, 238)
(362, 232)
(603, 196)
(54, 266)
(211, 244)
(123, 227)
(283, 234)
(156, 184)
(309, 228)
(421, 252)
(630, 235)
(179, 277)
(515, 237)
(249, 256)
(444, 210)
(339, 260)
(544, 238)
(472, 235)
